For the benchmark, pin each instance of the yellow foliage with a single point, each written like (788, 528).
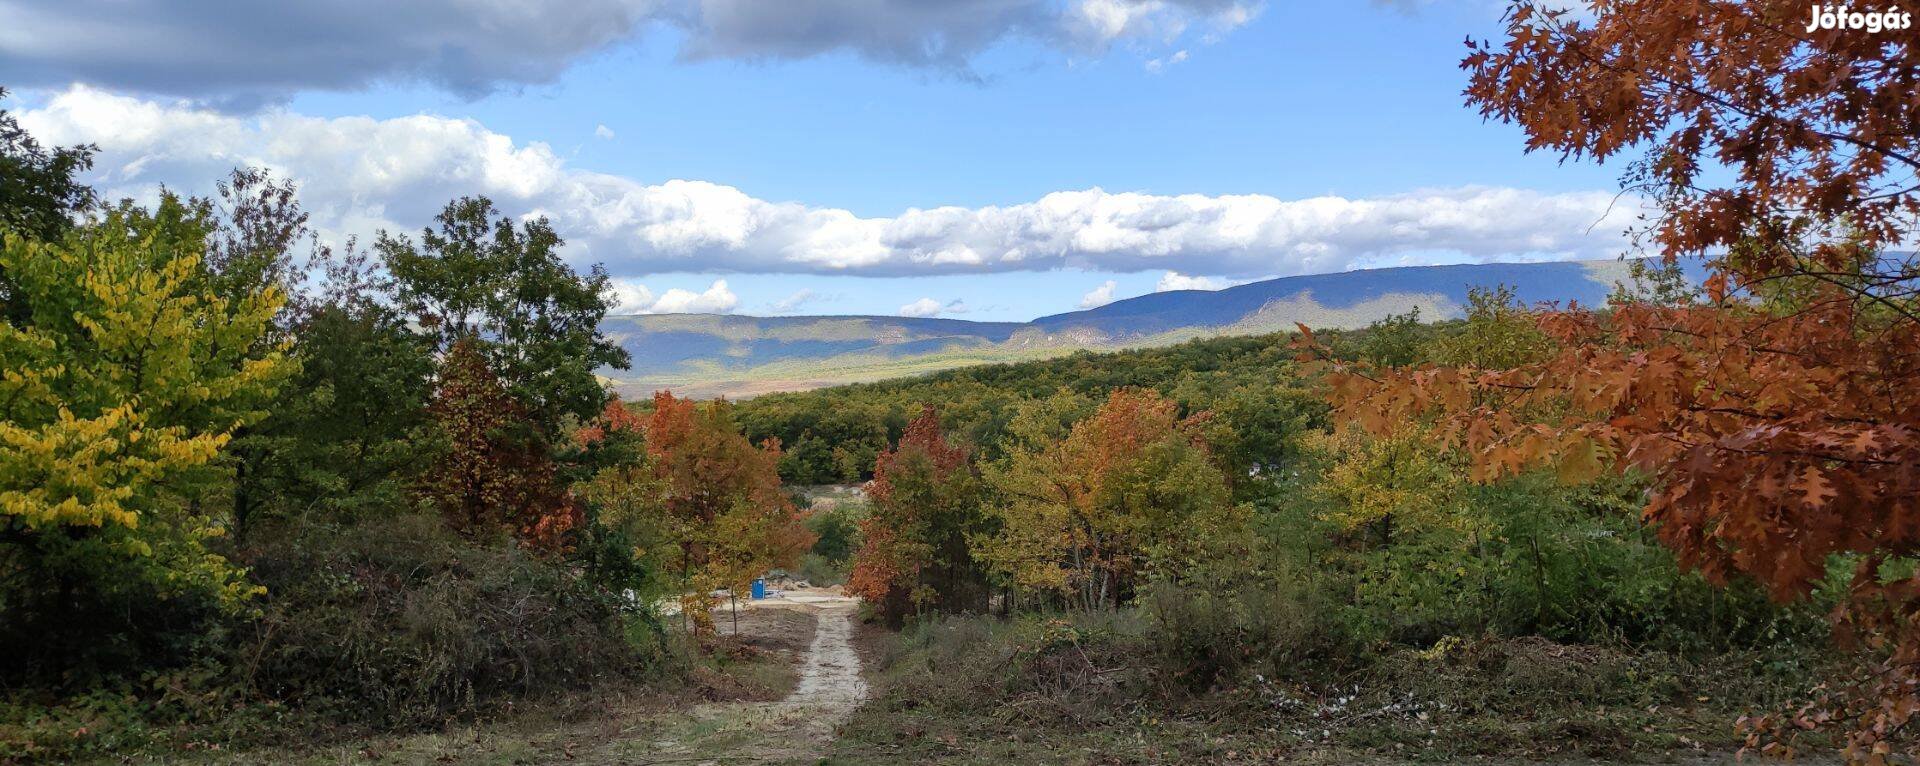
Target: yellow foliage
(119, 387)
(1401, 479)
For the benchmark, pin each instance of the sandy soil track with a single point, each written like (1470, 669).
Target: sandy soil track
(795, 730)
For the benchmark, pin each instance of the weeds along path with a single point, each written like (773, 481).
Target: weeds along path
(795, 730)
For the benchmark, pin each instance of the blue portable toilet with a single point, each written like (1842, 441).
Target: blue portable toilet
(759, 589)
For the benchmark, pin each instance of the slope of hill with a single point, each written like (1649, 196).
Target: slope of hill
(735, 356)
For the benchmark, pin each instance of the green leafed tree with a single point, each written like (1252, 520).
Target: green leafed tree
(479, 275)
(40, 191)
(350, 433)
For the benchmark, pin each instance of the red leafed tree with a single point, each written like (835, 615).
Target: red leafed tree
(926, 501)
(494, 473)
(1779, 418)
(723, 498)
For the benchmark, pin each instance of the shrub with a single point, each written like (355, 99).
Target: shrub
(399, 622)
(1203, 637)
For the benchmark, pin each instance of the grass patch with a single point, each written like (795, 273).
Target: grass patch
(1100, 689)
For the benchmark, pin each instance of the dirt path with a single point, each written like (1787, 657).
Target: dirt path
(795, 730)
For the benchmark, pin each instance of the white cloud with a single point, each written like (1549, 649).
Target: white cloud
(630, 297)
(925, 307)
(1174, 280)
(1155, 66)
(603, 132)
(1099, 296)
(245, 52)
(716, 299)
(634, 298)
(358, 174)
(928, 307)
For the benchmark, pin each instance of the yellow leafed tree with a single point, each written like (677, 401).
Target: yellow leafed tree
(122, 375)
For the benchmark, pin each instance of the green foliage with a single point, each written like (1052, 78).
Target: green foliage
(837, 530)
(349, 434)
(983, 406)
(627, 541)
(1395, 341)
(480, 276)
(1421, 554)
(40, 189)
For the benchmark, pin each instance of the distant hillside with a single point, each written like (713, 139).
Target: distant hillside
(737, 356)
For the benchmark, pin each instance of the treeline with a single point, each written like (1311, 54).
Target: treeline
(245, 475)
(1214, 468)
(834, 435)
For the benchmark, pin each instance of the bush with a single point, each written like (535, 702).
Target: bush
(1202, 637)
(398, 622)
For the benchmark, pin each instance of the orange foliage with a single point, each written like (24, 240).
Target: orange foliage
(494, 473)
(722, 497)
(1780, 422)
(913, 550)
(614, 418)
(1816, 126)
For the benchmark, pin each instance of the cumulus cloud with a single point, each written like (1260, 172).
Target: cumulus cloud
(928, 307)
(1174, 280)
(630, 297)
(603, 132)
(716, 299)
(246, 52)
(1099, 296)
(358, 174)
(634, 298)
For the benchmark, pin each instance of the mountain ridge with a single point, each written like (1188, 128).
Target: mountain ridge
(737, 355)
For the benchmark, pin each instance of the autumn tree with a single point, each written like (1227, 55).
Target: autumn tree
(123, 381)
(926, 504)
(626, 537)
(1779, 417)
(724, 508)
(493, 473)
(1378, 485)
(1130, 495)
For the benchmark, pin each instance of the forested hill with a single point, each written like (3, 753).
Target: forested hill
(832, 435)
(740, 356)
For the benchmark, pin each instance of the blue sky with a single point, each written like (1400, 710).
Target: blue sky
(1251, 110)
